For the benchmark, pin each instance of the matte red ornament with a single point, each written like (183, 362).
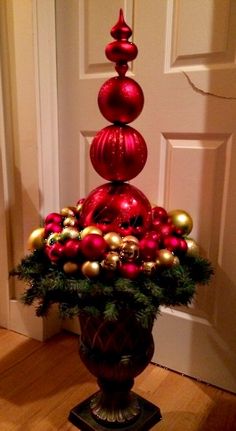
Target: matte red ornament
(121, 30)
(121, 208)
(121, 51)
(118, 153)
(93, 246)
(54, 218)
(120, 100)
(129, 270)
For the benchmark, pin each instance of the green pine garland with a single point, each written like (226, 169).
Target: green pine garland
(48, 284)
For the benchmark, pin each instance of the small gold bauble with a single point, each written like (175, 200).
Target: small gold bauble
(68, 211)
(70, 221)
(70, 232)
(181, 220)
(193, 247)
(70, 267)
(36, 239)
(53, 237)
(113, 239)
(148, 268)
(176, 261)
(130, 238)
(129, 251)
(90, 269)
(79, 207)
(111, 261)
(165, 258)
(90, 229)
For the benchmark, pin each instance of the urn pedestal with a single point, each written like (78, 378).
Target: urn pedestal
(115, 352)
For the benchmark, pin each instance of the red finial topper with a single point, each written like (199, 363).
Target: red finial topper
(121, 51)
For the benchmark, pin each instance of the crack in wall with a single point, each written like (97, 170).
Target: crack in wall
(206, 93)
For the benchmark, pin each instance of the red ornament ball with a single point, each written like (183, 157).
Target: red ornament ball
(129, 270)
(93, 246)
(118, 153)
(54, 218)
(159, 213)
(72, 248)
(52, 228)
(117, 207)
(147, 249)
(120, 100)
(55, 252)
(121, 51)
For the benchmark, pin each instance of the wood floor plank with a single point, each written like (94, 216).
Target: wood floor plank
(41, 382)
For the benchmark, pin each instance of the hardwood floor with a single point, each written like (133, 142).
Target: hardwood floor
(41, 382)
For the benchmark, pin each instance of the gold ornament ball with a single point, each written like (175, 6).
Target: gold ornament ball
(70, 232)
(70, 267)
(130, 238)
(182, 220)
(90, 269)
(53, 237)
(68, 211)
(176, 261)
(90, 229)
(36, 239)
(193, 247)
(165, 258)
(129, 251)
(79, 207)
(70, 221)
(148, 268)
(113, 239)
(111, 261)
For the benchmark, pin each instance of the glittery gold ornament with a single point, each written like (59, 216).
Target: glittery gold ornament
(70, 221)
(130, 238)
(193, 247)
(70, 267)
(90, 269)
(165, 258)
(36, 239)
(79, 207)
(113, 239)
(181, 220)
(129, 251)
(90, 229)
(68, 211)
(111, 261)
(53, 237)
(148, 268)
(70, 232)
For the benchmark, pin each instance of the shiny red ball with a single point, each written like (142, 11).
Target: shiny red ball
(171, 243)
(159, 213)
(129, 270)
(120, 100)
(93, 246)
(147, 249)
(165, 229)
(52, 228)
(55, 252)
(117, 207)
(53, 218)
(154, 235)
(72, 248)
(118, 153)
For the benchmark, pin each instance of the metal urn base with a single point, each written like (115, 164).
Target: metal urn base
(115, 352)
(81, 417)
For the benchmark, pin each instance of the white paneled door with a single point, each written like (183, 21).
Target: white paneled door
(186, 67)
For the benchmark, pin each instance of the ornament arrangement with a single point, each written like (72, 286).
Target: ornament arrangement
(113, 250)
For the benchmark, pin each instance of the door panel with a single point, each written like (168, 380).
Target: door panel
(187, 71)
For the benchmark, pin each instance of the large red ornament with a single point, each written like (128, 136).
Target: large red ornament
(118, 153)
(120, 100)
(121, 208)
(72, 248)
